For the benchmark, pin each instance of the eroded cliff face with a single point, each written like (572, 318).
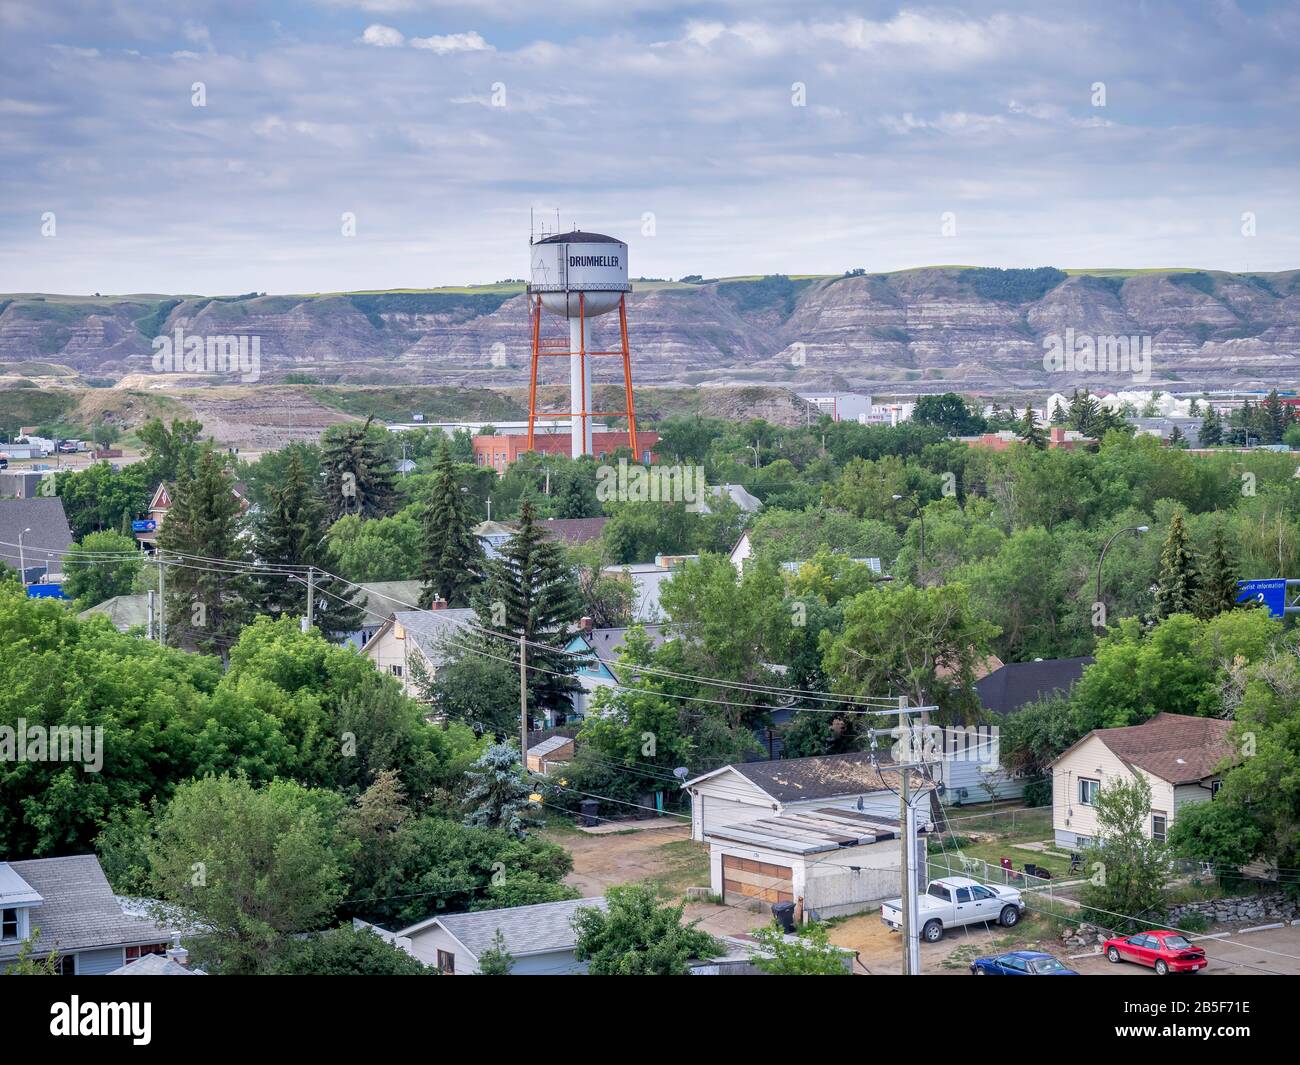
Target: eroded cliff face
(920, 330)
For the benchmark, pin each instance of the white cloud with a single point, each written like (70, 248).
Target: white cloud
(382, 37)
(451, 42)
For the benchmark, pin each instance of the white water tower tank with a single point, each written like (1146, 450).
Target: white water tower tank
(578, 276)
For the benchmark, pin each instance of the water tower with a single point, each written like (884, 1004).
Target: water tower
(579, 276)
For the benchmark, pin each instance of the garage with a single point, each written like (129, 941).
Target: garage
(745, 878)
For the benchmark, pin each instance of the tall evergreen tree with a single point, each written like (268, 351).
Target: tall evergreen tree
(1219, 587)
(1211, 434)
(1275, 416)
(1179, 583)
(291, 531)
(1059, 417)
(207, 603)
(1030, 431)
(531, 591)
(358, 471)
(451, 558)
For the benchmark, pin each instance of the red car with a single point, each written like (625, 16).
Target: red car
(1165, 952)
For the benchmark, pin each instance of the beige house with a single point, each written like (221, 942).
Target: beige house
(1179, 757)
(426, 636)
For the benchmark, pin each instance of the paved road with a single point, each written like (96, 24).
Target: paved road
(1272, 952)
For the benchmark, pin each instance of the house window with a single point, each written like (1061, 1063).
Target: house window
(1215, 785)
(1159, 823)
(136, 953)
(447, 962)
(1088, 791)
(396, 671)
(1082, 841)
(8, 925)
(66, 965)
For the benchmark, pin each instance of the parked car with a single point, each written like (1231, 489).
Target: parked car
(955, 901)
(1165, 952)
(1020, 963)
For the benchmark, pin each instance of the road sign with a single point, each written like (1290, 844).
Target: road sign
(1269, 593)
(144, 526)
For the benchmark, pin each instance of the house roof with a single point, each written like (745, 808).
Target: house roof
(549, 745)
(78, 911)
(738, 494)
(1013, 684)
(573, 530)
(538, 929)
(607, 643)
(156, 965)
(432, 629)
(810, 831)
(123, 611)
(1173, 747)
(826, 776)
(48, 539)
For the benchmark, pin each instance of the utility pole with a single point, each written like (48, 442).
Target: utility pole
(311, 599)
(162, 603)
(149, 615)
(523, 701)
(905, 865)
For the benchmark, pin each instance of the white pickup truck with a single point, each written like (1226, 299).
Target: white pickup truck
(955, 901)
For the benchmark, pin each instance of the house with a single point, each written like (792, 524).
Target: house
(34, 533)
(742, 552)
(69, 900)
(1009, 686)
(647, 578)
(573, 530)
(146, 530)
(746, 792)
(600, 650)
(124, 612)
(540, 938)
(737, 493)
(1179, 756)
(409, 636)
(174, 963)
(492, 534)
(20, 484)
(826, 860)
(555, 750)
(379, 600)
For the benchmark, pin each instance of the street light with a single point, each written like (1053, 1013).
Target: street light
(22, 557)
(754, 449)
(920, 517)
(1136, 530)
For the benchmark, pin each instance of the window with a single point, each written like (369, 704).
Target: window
(938, 891)
(136, 953)
(66, 965)
(447, 962)
(8, 925)
(963, 894)
(980, 893)
(1088, 791)
(1010, 961)
(1159, 822)
(396, 671)
(1215, 785)
(1082, 841)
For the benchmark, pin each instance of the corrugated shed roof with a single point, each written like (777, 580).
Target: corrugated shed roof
(820, 777)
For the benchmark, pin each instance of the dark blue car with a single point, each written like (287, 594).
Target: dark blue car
(1020, 963)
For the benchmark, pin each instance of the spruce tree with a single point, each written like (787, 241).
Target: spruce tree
(1059, 417)
(1179, 583)
(1275, 416)
(1030, 431)
(1219, 587)
(207, 603)
(531, 591)
(497, 791)
(292, 532)
(358, 471)
(452, 561)
(1211, 434)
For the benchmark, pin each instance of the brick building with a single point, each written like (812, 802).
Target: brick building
(502, 451)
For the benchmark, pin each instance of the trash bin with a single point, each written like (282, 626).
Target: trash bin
(589, 808)
(784, 914)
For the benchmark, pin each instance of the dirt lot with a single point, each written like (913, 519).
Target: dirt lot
(666, 856)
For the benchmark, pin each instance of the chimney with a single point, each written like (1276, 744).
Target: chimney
(439, 603)
(586, 624)
(179, 954)
(1057, 435)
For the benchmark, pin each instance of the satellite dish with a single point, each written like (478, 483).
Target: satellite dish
(681, 772)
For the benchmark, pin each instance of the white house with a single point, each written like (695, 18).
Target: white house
(1179, 756)
(411, 635)
(647, 579)
(69, 901)
(540, 938)
(742, 552)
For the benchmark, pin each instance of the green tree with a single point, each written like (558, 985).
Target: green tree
(1218, 592)
(25, 964)
(1030, 432)
(531, 592)
(358, 463)
(1059, 417)
(1211, 431)
(105, 433)
(343, 952)
(949, 412)
(1178, 585)
(637, 935)
(248, 865)
(473, 689)
(451, 557)
(497, 959)
(169, 450)
(1128, 870)
(102, 565)
(811, 954)
(291, 533)
(497, 792)
(206, 603)
(1223, 833)
(378, 549)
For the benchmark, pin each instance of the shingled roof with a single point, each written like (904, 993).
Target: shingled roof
(1010, 686)
(820, 777)
(538, 929)
(1173, 747)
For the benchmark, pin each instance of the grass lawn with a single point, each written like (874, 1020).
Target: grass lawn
(688, 866)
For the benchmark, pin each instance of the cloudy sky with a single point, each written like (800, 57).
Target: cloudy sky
(719, 138)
